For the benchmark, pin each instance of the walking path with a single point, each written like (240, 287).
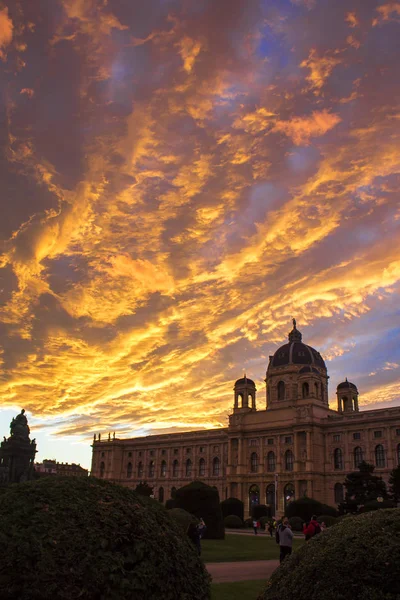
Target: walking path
(241, 571)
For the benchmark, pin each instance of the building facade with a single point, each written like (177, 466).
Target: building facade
(296, 446)
(52, 467)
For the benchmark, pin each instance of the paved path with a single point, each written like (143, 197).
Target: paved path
(241, 571)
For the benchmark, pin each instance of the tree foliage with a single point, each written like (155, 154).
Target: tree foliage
(394, 484)
(202, 501)
(357, 559)
(362, 487)
(144, 489)
(82, 538)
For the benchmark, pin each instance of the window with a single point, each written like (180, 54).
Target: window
(254, 462)
(271, 462)
(270, 497)
(336, 437)
(151, 452)
(129, 454)
(102, 468)
(188, 450)
(288, 439)
(140, 470)
(215, 466)
(201, 449)
(357, 436)
(175, 465)
(176, 450)
(129, 470)
(281, 390)
(305, 390)
(338, 491)
(338, 459)
(289, 460)
(163, 468)
(358, 456)
(151, 468)
(270, 441)
(188, 468)
(316, 389)
(102, 455)
(397, 431)
(139, 454)
(202, 467)
(377, 434)
(253, 442)
(380, 459)
(163, 452)
(288, 493)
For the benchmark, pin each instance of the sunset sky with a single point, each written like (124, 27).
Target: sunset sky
(178, 180)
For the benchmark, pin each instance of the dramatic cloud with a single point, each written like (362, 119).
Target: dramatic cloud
(179, 180)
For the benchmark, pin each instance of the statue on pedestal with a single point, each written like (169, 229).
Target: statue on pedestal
(17, 453)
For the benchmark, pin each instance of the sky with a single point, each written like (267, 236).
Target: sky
(179, 180)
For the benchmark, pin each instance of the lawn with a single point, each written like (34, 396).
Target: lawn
(242, 547)
(238, 590)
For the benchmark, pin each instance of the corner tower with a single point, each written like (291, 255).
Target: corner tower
(245, 395)
(347, 397)
(296, 372)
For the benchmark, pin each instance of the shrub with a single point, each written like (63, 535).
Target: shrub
(258, 511)
(232, 506)
(233, 521)
(355, 560)
(296, 523)
(264, 521)
(170, 503)
(202, 501)
(305, 508)
(77, 537)
(248, 522)
(375, 505)
(182, 518)
(327, 519)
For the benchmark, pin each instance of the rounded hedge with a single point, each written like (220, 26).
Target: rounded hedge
(296, 523)
(202, 501)
(182, 518)
(70, 538)
(232, 506)
(233, 521)
(358, 559)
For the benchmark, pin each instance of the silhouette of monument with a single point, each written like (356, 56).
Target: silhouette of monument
(17, 453)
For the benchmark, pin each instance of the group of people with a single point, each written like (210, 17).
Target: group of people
(271, 526)
(284, 535)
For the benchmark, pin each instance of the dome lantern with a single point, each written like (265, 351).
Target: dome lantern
(245, 394)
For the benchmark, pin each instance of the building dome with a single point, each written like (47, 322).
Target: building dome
(244, 381)
(346, 384)
(296, 353)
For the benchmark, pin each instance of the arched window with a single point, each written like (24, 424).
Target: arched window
(271, 462)
(380, 459)
(188, 468)
(322, 391)
(249, 400)
(281, 390)
(175, 465)
(202, 467)
(129, 470)
(289, 460)
(288, 493)
(140, 470)
(240, 400)
(161, 494)
(316, 389)
(358, 456)
(254, 462)
(270, 497)
(338, 459)
(173, 492)
(163, 468)
(151, 468)
(215, 466)
(345, 401)
(254, 496)
(102, 469)
(306, 390)
(339, 496)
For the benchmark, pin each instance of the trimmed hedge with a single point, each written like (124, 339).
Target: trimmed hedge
(77, 537)
(232, 506)
(305, 508)
(202, 501)
(327, 519)
(296, 523)
(182, 518)
(233, 521)
(259, 510)
(358, 559)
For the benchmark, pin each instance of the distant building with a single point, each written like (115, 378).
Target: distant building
(51, 467)
(296, 447)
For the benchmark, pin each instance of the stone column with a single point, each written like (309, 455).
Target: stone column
(389, 458)
(296, 453)
(309, 451)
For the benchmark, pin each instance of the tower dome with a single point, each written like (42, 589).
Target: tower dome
(296, 353)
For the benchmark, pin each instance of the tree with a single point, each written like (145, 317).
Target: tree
(362, 487)
(394, 484)
(144, 489)
(201, 500)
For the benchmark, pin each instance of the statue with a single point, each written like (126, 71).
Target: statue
(19, 427)
(109, 437)
(294, 323)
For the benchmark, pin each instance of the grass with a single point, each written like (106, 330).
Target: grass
(242, 547)
(237, 590)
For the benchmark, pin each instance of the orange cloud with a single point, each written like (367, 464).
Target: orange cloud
(320, 67)
(6, 32)
(301, 129)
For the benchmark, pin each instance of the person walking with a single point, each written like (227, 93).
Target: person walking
(313, 528)
(193, 533)
(255, 526)
(270, 528)
(285, 534)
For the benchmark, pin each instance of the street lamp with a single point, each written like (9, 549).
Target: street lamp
(276, 493)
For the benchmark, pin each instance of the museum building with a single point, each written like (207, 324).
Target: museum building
(296, 446)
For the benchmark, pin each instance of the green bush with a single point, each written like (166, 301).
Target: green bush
(170, 503)
(75, 537)
(327, 519)
(375, 505)
(232, 506)
(182, 518)
(233, 521)
(248, 522)
(305, 508)
(358, 559)
(296, 523)
(202, 501)
(259, 510)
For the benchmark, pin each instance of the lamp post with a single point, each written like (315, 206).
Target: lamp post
(276, 493)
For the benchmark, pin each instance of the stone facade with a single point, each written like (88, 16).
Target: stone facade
(297, 446)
